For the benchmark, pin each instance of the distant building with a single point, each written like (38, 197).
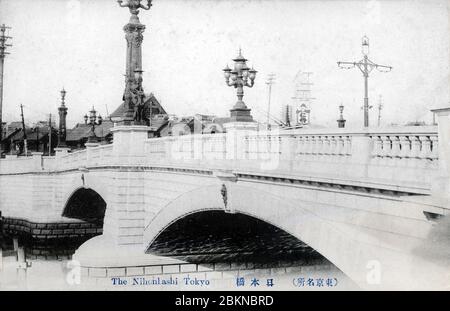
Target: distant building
(37, 138)
(150, 102)
(77, 137)
(197, 124)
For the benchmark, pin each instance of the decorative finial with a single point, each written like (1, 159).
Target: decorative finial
(63, 96)
(365, 45)
(135, 5)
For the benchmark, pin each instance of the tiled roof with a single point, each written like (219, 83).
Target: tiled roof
(32, 134)
(81, 131)
(149, 98)
(221, 121)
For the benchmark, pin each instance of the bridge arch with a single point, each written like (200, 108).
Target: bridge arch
(217, 237)
(86, 198)
(85, 204)
(330, 240)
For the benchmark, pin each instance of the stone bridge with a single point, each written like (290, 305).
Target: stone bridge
(364, 199)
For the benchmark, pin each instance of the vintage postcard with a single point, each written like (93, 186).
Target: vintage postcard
(219, 145)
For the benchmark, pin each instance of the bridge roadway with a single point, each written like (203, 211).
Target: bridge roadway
(371, 202)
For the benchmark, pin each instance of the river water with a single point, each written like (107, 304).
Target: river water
(259, 256)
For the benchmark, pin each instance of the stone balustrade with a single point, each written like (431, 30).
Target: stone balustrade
(393, 156)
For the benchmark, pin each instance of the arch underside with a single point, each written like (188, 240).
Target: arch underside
(87, 205)
(216, 236)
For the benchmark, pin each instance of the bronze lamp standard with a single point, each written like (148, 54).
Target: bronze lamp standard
(133, 95)
(93, 121)
(240, 76)
(341, 120)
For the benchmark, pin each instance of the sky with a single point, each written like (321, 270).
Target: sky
(80, 45)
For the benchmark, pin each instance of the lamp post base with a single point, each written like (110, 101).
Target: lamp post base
(241, 115)
(92, 140)
(341, 123)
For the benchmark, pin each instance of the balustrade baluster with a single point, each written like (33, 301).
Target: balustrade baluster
(333, 145)
(340, 145)
(313, 145)
(319, 145)
(348, 145)
(307, 145)
(405, 146)
(434, 147)
(300, 145)
(425, 151)
(415, 146)
(326, 145)
(377, 147)
(395, 150)
(387, 148)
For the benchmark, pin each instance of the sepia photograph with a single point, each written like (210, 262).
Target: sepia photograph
(224, 145)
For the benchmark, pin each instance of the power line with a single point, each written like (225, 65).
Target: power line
(272, 117)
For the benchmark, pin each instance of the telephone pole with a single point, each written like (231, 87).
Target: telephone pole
(50, 135)
(25, 145)
(270, 81)
(380, 106)
(3, 46)
(366, 66)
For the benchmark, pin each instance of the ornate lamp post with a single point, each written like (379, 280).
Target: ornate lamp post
(240, 76)
(62, 110)
(93, 121)
(341, 120)
(134, 94)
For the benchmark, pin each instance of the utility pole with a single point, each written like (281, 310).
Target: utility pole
(380, 106)
(366, 66)
(37, 138)
(3, 46)
(270, 81)
(25, 145)
(50, 135)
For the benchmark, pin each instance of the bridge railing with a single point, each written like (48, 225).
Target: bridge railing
(410, 156)
(186, 150)
(92, 156)
(101, 155)
(15, 164)
(398, 156)
(49, 163)
(73, 160)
